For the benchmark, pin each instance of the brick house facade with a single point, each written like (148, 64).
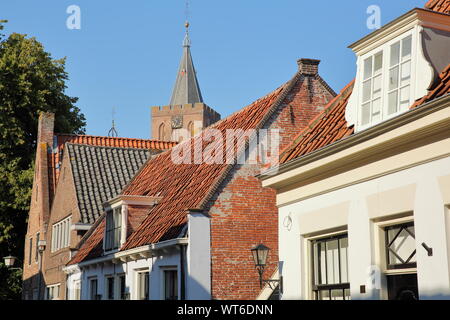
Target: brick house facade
(240, 213)
(57, 195)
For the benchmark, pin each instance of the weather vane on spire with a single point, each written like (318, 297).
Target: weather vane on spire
(186, 12)
(187, 41)
(112, 133)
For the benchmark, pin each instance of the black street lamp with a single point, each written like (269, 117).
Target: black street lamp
(260, 253)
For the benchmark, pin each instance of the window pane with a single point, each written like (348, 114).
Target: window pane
(324, 295)
(403, 245)
(393, 78)
(365, 117)
(376, 109)
(392, 105)
(378, 62)
(323, 267)
(406, 73)
(367, 68)
(404, 97)
(347, 294)
(367, 88)
(395, 54)
(316, 262)
(337, 294)
(333, 262)
(344, 259)
(377, 86)
(406, 48)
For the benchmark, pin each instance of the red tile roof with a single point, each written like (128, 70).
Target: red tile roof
(55, 155)
(183, 186)
(330, 126)
(188, 186)
(439, 6)
(92, 243)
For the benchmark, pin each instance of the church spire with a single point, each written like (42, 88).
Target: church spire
(186, 89)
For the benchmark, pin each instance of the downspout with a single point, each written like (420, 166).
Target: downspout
(182, 272)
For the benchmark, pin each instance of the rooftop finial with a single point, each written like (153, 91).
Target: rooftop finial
(187, 41)
(112, 133)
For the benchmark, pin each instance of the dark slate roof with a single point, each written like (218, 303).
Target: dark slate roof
(100, 173)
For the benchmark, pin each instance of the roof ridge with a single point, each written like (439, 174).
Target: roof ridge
(285, 88)
(111, 138)
(108, 147)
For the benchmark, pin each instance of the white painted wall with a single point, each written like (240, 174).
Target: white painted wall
(155, 265)
(419, 190)
(198, 283)
(197, 267)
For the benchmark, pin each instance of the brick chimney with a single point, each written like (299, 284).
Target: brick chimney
(45, 128)
(308, 67)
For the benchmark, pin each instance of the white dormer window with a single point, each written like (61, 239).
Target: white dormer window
(396, 65)
(113, 232)
(385, 82)
(117, 220)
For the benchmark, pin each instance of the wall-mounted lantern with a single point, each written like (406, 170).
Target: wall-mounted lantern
(260, 254)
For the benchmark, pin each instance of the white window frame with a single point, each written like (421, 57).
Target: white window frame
(386, 50)
(137, 290)
(123, 209)
(61, 234)
(380, 249)
(76, 291)
(51, 288)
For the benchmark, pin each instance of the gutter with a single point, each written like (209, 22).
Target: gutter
(140, 252)
(359, 137)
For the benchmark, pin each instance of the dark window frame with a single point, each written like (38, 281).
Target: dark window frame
(318, 288)
(171, 284)
(113, 229)
(30, 252)
(406, 264)
(36, 258)
(93, 293)
(110, 287)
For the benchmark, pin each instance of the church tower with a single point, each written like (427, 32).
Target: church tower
(186, 109)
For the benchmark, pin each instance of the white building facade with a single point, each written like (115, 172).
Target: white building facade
(368, 216)
(177, 269)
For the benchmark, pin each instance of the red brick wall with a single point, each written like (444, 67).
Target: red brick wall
(244, 213)
(136, 214)
(39, 205)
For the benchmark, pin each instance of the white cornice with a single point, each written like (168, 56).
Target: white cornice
(143, 252)
(285, 171)
(399, 26)
(132, 200)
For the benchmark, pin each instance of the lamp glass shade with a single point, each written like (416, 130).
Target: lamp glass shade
(260, 253)
(9, 261)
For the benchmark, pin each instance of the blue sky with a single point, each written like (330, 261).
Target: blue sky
(126, 53)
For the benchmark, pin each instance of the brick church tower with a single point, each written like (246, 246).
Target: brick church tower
(186, 109)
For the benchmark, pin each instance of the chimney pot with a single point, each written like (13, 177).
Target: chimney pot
(308, 67)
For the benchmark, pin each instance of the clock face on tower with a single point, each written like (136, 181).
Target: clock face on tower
(177, 122)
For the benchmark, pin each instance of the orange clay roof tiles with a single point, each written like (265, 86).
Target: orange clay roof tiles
(439, 6)
(186, 186)
(330, 126)
(326, 128)
(181, 186)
